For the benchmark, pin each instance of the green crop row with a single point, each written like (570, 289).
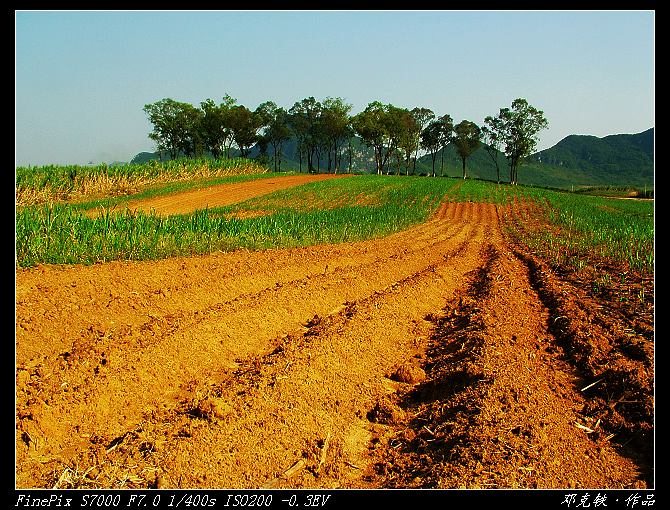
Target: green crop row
(60, 235)
(52, 183)
(620, 230)
(352, 191)
(337, 210)
(340, 210)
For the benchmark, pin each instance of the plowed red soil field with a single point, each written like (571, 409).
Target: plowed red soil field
(443, 356)
(222, 194)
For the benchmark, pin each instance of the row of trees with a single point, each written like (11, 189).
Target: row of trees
(325, 132)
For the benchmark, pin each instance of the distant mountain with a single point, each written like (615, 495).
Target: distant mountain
(626, 159)
(577, 160)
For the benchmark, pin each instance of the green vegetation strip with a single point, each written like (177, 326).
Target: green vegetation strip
(584, 229)
(60, 234)
(348, 209)
(614, 229)
(43, 184)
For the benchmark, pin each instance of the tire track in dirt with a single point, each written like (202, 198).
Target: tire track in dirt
(249, 364)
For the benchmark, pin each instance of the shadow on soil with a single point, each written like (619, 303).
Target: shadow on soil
(437, 415)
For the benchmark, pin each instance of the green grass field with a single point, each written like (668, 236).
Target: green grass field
(332, 211)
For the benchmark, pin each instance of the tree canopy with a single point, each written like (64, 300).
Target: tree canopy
(322, 132)
(517, 128)
(175, 126)
(467, 139)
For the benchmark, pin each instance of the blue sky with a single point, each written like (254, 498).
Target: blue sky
(83, 77)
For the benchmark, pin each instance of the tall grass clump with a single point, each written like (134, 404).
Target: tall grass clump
(56, 183)
(58, 234)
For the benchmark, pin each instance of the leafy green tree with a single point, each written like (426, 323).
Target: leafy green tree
(175, 127)
(217, 135)
(492, 135)
(380, 126)
(519, 127)
(191, 119)
(410, 138)
(244, 125)
(276, 130)
(279, 132)
(431, 140)
(370, 126)
(397, 125)
(422, 117)
(335, 123)
(467, 139)
(304, 119)
(212, 128)
(263, 113)
(446, 135)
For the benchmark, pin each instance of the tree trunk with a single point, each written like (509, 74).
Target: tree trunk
(513, 172)
(380, 161)
(442, 162)
(310, 160)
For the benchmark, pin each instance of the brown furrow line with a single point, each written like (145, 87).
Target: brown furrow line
(126, 391)
(271, 384)
(125, 336)
(159, 299)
